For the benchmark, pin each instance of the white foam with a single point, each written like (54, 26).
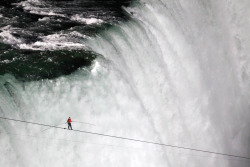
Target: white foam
(48, 13)
(38, 7)
(6, 61)
(172, 76)
(55, 42)
(77, 34)
(95, 68)
(44, 19)
(81, 19)
(7, 37)
(52, 46)
(51, 42)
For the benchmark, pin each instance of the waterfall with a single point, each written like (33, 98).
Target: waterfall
(176, 73)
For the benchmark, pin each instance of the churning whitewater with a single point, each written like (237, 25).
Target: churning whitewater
(167, 71)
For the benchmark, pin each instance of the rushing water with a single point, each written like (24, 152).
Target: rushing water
(44, 39)
(166, 71)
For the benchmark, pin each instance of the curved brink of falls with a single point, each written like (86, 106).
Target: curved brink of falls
(177, 73)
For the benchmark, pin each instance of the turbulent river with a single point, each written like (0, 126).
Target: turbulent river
(173, 72)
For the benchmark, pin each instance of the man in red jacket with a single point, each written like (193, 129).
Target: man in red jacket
(69, 124)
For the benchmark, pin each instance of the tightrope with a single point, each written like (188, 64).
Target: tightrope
(131, 139)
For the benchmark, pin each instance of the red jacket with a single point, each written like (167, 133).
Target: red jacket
(69, 120)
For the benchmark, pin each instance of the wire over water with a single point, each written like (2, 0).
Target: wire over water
(131, 139)
(84, 123)
(66, 122)
(52, 127)
(125, 147)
